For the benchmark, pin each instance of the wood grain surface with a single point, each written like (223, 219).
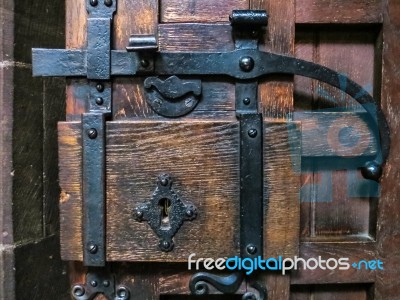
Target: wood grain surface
(339, 11)
(202, 157)
(173, 11)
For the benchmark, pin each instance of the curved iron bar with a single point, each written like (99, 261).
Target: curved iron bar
(294, 66)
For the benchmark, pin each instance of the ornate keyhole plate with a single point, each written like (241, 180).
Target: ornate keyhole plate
(165, 212)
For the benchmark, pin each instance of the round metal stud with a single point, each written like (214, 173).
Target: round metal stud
(189, 213)
(372, 170)
(139, 215)
(249, 296)
(246, 63)
(92, 133)
(144, 63)
(94, 2)
(123, 293)
(252, 133)
(108, 3)
(93, 248)
(164, 181)
(166, 246)
(251, 249)
(93, 283)
(100, 87)
(246, 101)
(106, 283)
(99, 101)
(78, 291)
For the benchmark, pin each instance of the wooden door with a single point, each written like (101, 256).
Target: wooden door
(311, 211)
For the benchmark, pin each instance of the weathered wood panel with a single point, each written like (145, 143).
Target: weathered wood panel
(69, 138)
(282, 175)
(331, 195)
(388, 229)
(338, 11)
(173, 11)
(202, 156)
(276, 94)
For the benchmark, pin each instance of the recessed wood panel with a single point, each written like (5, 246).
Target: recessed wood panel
(335, 198)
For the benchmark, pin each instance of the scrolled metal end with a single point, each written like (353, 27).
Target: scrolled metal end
(372, 170)
(78, 291)
(201, 288)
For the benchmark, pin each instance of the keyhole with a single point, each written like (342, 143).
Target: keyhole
(165, 206)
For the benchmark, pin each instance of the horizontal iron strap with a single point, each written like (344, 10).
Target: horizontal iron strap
(73, 63)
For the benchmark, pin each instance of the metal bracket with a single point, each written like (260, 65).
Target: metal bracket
(100, 283)
(165, 212)
(172, 97)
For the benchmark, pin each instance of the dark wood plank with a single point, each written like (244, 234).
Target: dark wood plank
(70, 198)
(388, 232)
(195, 37)
(276, 95)
(27, 156)
(174, 11)
(39, 271)
(53, 111)
(339, 12)
(282, 177)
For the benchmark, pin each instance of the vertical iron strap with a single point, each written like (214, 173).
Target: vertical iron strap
(251, 185)
(93, 187)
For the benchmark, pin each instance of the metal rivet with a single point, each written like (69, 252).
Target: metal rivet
(106, 283)
(164, 181)
(371, 170)
(78, 291)
(246, 101)
(252, 133)
(94, 2)
(139, 214)
(123, 293)
(92, 133)
(93, 283)
(251, 249)
(144, 63)
(249, 296)
(108, 2)
(189, 213)
(165, 245)
(246, 63)
(93, 248)
(99, 101)
(100, 87)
